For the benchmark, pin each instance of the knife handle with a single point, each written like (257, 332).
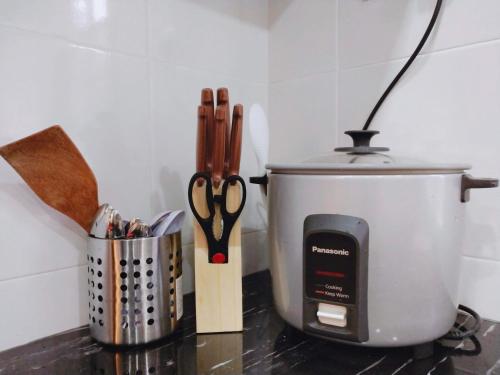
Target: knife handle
(219, 146)
(223, 100)
(201, 142)
(207, 100)
(235, 144)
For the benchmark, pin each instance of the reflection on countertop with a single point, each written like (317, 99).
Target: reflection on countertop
(266, 346)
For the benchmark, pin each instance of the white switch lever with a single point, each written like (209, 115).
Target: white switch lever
(332, 315)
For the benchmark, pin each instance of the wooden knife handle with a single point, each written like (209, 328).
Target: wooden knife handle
(219, 146)
(207, 100)
(235, 144)
(201, 142)
(223, 100)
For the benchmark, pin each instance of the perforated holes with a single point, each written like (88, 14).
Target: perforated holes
(137, 274)
(137, 262)
(123, 275)
(170, 256)
(151, 322)
(137, 286)
(93, 308)
(172, 315)
(124, 324)
(100, 310)
(149, 273)
(99, 286)
(171, 268)
(123, 262)
(150, 309)
(123, 288)
(150, 297)
(92, 271)
(124, 300)
(93, 296)
(150, 285)
(93, 320)
(99, 274)
(93, 285)
(149, 260)
(92, 259)
(137, 311)
(100, 298)
(101, 323)
(171, 291)
(99, 261)
(171, 280)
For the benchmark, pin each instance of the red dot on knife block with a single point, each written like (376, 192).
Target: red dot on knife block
(218, 258)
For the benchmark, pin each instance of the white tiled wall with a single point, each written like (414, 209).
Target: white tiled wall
(445, 109)
(123, 78)
(302, 77)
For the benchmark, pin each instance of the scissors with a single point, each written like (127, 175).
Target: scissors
(217, 247)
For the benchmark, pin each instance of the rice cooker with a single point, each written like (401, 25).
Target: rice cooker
(366, 247)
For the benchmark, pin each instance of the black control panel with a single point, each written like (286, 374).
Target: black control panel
(336, 273)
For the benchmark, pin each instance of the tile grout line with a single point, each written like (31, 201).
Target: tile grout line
(117, 52)
(25, 276)
(299, 77)
(151, 125)
(481, 259)
(439, 51)
(337, 72)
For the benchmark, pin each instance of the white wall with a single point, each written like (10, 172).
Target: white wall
(445, 109)
(123, 78)
(302, 77)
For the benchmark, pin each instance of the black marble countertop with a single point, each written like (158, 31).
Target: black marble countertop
(266, 346)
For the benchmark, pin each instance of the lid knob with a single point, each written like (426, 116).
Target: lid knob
(361, 142)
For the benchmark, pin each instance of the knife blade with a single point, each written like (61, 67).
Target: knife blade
(223, 100)
(207, 100)
(201, 142)
(235, 144)
(219, 146)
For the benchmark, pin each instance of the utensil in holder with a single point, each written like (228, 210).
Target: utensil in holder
(134, 288)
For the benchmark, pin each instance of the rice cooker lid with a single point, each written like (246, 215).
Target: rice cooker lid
(362, 158)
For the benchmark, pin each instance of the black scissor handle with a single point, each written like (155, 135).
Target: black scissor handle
(209, 197)
(223, 208)
(217, 248)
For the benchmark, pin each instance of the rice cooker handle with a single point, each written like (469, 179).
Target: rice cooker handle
(469, 182)
(260, 180)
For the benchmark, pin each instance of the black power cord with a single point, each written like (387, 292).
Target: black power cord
(459, 332)
(406, 66)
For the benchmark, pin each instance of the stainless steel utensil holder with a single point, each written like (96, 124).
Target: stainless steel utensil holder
(134, 288)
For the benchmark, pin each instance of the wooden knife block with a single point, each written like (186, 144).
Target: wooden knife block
(218, 287)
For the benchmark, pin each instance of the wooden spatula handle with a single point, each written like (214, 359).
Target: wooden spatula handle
(219, 146)
(235, 144)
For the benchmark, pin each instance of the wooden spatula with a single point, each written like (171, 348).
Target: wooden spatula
(54, 169)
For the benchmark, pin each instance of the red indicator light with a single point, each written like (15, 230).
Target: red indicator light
(337, 275)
